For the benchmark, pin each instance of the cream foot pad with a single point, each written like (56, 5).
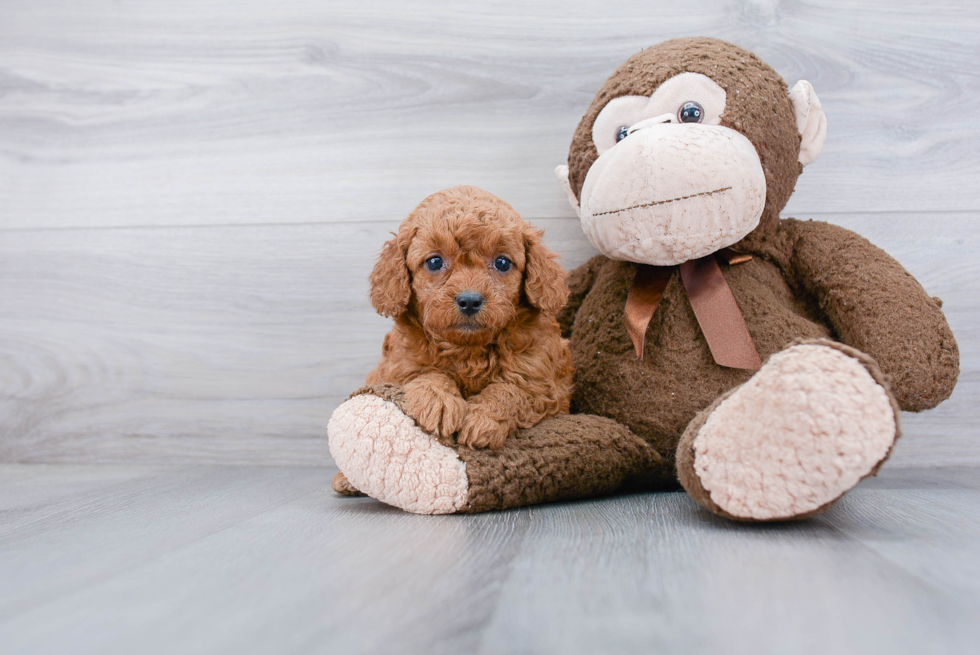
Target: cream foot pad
(800, 433)
(387, 456)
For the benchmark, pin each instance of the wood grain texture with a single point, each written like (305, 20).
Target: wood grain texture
(191, 196)
(259, 560)
(169, 113)
(234, 344)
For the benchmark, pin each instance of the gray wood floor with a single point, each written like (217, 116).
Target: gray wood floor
(207, 559)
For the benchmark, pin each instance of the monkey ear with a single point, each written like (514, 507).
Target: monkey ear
(544, 279)
(562, 173)
(810, 121)
(390, 283)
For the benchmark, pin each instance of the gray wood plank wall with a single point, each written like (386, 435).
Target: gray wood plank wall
(191, 194)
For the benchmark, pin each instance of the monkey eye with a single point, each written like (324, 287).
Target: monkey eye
(622, 132)
(434, 263)
(502, 264)
(690, 112)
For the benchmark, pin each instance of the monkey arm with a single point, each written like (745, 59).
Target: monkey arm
(876, 306)
(580, 282)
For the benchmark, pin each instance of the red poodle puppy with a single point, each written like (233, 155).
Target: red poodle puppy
(474, 294)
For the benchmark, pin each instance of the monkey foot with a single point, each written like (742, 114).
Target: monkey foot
(815, 420)
(384, 454)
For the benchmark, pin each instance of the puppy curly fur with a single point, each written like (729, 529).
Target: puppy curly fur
(480, 376)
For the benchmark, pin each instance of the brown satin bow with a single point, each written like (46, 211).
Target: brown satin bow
(711, 298)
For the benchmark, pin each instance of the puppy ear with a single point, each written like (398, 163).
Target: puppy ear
(544, 279)
(390, 282)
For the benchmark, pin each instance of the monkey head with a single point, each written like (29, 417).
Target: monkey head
(689, 147)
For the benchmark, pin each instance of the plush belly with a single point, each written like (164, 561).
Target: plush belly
(657, 396)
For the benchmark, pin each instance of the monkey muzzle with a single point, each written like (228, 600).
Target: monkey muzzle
(670, 193)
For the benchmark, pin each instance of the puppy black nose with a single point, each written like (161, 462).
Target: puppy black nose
(469, 302)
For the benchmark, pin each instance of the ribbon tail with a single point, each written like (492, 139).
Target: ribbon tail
(718, 315)
(644, 296)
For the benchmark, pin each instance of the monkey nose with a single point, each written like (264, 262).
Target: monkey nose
(469, 302)
(650, 122)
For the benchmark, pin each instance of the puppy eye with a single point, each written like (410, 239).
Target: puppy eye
(622, 132)
(690, 112)
(434, 263)
(502, 264)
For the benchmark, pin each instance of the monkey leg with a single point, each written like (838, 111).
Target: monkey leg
(384, 454)
(814, 421)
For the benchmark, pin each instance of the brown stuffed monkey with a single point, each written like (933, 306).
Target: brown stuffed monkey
(760, 362)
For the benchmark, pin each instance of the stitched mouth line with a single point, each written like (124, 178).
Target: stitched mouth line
(664, 202)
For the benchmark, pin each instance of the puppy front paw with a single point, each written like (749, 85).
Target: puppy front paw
(481, 430)
(436, 411)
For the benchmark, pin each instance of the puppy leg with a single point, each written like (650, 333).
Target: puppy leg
(492, 415)
(435, 403)
(343, 487)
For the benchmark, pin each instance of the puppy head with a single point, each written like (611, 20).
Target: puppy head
(466, 265)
